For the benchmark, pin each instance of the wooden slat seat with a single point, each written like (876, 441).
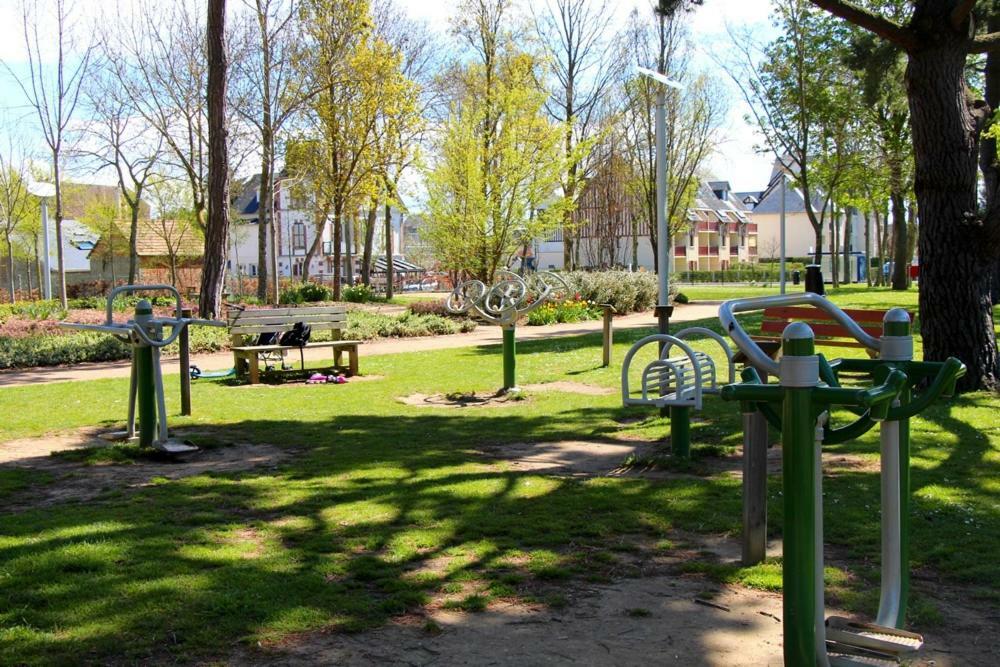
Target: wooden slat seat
(246, 326)
(827, 330)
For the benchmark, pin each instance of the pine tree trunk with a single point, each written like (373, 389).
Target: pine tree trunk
(956, 257)
(337, 238)
(213, 274)
(388, 252)
(366, 256)
(988, 148)
(264, 200)
(900, 261)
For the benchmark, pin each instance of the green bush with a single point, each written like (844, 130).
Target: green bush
(628, 292)
(359, 294)
(370, 326)
(305, 293)
(429, 307)
(681, 297)
(764, 271)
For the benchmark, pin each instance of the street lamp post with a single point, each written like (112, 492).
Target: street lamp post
(663, 308)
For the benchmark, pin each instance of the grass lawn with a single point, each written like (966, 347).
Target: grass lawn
(379, 507)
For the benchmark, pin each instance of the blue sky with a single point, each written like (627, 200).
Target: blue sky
(735, 160)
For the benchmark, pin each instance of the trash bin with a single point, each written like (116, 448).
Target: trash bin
(796, 276)
(814, 279)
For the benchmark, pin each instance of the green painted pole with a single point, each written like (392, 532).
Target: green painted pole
(680, 432)
(509, 359)
(799, 492)
(146, 384)
(897, 324)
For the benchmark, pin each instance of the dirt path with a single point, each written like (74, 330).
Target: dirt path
(483, 335)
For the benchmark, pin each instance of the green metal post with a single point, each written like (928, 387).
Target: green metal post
(146, 383)
(800, 497)
(897, 324)
(509, 359)
(680, 431)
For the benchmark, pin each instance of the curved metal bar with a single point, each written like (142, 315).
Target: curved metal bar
(758, 359)
(121, 289)
(661, 338)
(714, 336)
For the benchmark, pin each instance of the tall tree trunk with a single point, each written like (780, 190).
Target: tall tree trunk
(846, 243)
(899, 242)
(878, 247)
(314, 247)
(366, 256)
(956, 258)
(213, 274)
(388, 252)
(818, 248)
(264, 199)
(988, 148)
(834, 248)
(10, 268)
(60, 258)
(349, 250)
(337, 239)
(868, 248)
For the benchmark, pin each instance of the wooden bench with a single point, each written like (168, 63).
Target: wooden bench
(827, 330)
(245, 326)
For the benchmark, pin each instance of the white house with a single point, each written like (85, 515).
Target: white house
(296, 232)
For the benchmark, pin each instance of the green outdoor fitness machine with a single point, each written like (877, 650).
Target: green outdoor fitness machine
(676, 382)
(799, 406)
(145, 333)
(503, 304)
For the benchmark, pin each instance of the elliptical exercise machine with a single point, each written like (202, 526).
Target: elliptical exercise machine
(145, 332)
(799, 406)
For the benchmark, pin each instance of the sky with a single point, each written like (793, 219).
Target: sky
(735, 160)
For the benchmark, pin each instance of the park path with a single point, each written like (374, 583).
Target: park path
(483, 335)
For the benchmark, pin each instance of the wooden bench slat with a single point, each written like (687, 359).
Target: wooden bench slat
(279, 319)
(820, 330)
(311, 344)
(811, 313)
(287, 312)
(279, 328)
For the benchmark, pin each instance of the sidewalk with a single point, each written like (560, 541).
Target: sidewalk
(483, 335)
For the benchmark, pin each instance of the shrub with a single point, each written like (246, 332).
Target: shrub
(429, 307)
(305, 293)
(358, 294)
(628, 292)
(681, 297)
(363, 325)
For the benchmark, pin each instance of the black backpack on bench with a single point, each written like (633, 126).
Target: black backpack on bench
(298, 336)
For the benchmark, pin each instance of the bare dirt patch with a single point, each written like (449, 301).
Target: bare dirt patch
(570, 388)
(467, 400)
(568, 457)
(74, 482)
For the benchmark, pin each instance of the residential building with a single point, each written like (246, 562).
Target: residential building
(296, 233)
(719, 233)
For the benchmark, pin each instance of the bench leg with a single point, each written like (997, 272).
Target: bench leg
(254, 369)
(352, 355)
(337, 357)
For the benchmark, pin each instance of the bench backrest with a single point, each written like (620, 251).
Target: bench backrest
(250, 323)
(827, 330)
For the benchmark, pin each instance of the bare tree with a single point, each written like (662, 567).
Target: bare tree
(577, 38)
(120, 138)
(213, 274)
(272, 97)
(694, 117)
(16, 203)
(53, 90)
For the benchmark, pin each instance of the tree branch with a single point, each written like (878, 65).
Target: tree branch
(984, 43)
(960, 13)
(870, 21)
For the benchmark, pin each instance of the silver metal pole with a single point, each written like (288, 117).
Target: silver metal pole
(781, 268)
(46, 259)
(662, 256)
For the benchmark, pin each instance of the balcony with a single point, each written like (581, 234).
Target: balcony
(710, 251)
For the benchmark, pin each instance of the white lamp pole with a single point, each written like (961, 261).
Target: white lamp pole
(662, 241)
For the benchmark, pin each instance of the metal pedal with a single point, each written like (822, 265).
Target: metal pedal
(175, 447)
(842, 655)
(879, 638)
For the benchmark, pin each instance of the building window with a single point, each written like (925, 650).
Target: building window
(691, 238)
(297, 267)
(252, 270)
(298, 236)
